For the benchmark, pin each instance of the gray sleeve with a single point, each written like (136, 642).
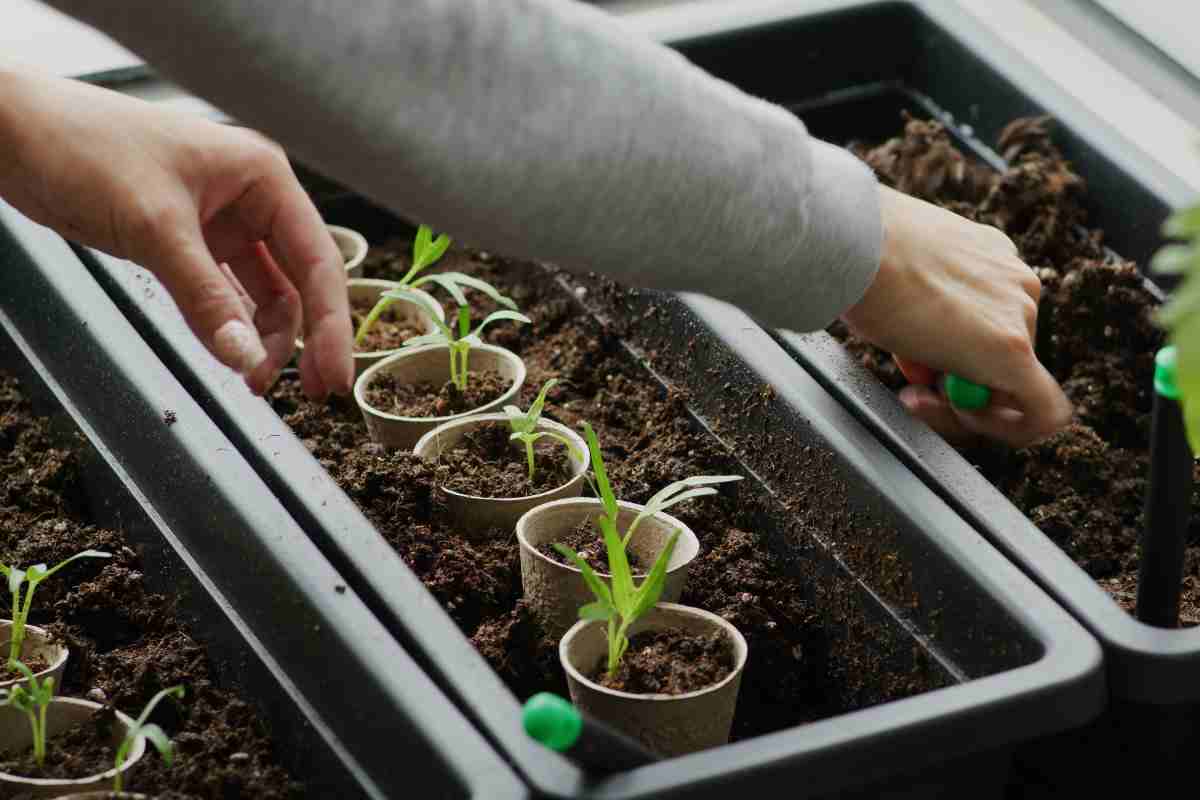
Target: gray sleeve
(540, 128)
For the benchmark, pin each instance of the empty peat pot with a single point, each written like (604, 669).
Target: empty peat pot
(430, 364)
(404, 312)
(62, 714)
(37, 643)
(556, 591)
(474, 514)
(353, 247)
(670, 725)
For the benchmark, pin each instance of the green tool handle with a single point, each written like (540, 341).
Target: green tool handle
(966, 395)
(593, 746)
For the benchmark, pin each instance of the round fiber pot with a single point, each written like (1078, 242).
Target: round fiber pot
(556, 591)
(670, 725)
(475, 514)
(37, 643)
(370, 290)
(353, 247)
(431, 364)
(61, 714)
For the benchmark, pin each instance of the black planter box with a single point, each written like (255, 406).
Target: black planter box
(934, 60)
(280, 624)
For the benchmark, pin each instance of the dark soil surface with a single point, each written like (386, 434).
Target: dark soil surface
(126, 642)
(384, 334)
(670, 661)
(484, 463)
(1084, 487)
(79, 752)
(587, 541)
(35, 664)
(802, 665)
(425, 400)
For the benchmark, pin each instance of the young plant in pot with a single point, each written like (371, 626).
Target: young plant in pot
(28, 645)
(439, 377)
(491, 470)
(550, 572)
(665, 674)
(46, 742)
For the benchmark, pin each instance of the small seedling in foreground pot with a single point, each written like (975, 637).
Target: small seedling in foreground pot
(460, 345)
(21, 605)
(524, 426)
(32, 697)
(156, 735)
(426, 251)
(624, 604)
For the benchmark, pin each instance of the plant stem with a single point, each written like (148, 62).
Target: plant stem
(529, 455)
(373, 317)
(18, 629)
(39, 735)
(465, 355)
(613, 647)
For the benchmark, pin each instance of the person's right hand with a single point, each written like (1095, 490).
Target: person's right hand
(954, 295)
(214, 211)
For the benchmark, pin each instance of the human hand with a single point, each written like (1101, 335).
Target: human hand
(214, 211)
(954, 295)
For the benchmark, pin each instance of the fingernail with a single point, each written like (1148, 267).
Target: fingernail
(239, 347)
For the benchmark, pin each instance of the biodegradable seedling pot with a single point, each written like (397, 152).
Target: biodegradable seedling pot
(37, 643)
(477, 514)
(431, 364)
(353, 247)
(61, 714)
(670, 725)
(371, 289)
(555, 591)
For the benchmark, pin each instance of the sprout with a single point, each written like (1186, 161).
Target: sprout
(460, 345)
(524, 427)
(1181, 316)
(624, 604)
(21, 606)
(32, 697)
(152, 732)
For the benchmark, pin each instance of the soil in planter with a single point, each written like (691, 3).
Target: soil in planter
(126, 642)
(807, 660)
(386, 333)
(387, 394)
(36, 664)
(484, 463)
(79, 752)
(586, 540)
(669, 661)
(1085, 486)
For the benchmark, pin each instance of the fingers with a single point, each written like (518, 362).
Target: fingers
(279, 210)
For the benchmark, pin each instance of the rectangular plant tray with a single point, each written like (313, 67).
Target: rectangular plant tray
(904, 583)
(936, 61)
(279, 622)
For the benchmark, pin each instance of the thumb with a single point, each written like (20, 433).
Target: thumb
(208, 301)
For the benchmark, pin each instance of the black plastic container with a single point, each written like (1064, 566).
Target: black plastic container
(933, 59)
(279, 622)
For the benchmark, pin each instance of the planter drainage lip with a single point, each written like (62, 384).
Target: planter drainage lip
(203, 518)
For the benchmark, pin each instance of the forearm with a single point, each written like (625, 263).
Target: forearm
(538, 128)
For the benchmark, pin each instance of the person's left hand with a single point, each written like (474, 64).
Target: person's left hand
(214, 211)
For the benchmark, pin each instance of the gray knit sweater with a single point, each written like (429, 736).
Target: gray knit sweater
(540, 128)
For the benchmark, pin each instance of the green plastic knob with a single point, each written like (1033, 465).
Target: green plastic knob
(967, 395)
(1164, 373)
(552, 721)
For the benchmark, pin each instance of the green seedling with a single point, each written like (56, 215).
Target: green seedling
(33, 697)
(1181, 316)
(625, 603)
(156, 735)
(31, 576)
(460, 345)
(426, 252)
(524, 427)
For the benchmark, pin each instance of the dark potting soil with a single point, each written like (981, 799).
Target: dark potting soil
(808, 660)
(587, 541)
(126, 642)
(670, 661)
(1085, 486)
(386, 333)
(78, 752)
(426, 400)
(484, 463)
(35, 663)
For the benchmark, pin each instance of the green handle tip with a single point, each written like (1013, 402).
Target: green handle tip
(1164, 373)
(967, 395)
(552, 721)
